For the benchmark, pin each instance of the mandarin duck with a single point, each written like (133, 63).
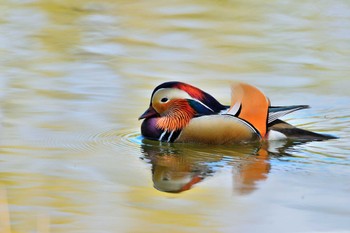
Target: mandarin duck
(180, 112)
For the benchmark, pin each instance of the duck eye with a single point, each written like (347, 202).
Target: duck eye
(163, 100)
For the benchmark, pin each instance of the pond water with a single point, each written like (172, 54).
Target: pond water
(76, 75)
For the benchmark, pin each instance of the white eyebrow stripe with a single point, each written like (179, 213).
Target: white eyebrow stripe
(171, 93)
(178, 93)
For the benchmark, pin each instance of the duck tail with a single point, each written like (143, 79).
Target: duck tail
(296, 133)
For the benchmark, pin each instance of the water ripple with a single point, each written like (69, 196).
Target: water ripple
(85, 141)
(124, 139)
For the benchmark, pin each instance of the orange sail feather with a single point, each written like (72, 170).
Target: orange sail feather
(254, 105)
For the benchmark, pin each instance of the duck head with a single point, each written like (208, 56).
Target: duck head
(173, 105)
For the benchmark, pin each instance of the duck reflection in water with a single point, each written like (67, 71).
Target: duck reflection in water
(178, 167)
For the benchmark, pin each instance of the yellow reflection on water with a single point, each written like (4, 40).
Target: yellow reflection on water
(59, 36)
(5, 224)
(170, 212)
(38, 197)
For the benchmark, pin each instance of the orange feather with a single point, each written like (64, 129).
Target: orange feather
(254, 105)
(177, 116)
(191, 90)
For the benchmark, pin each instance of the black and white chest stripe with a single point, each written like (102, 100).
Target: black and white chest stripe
(169, 136)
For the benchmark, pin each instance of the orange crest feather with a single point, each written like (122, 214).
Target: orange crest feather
(191, 90)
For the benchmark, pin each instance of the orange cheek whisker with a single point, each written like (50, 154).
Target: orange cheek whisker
(177, 117)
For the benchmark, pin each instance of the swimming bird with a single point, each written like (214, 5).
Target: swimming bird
(180, 112)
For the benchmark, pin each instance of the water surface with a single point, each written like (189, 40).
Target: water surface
(75, 76)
